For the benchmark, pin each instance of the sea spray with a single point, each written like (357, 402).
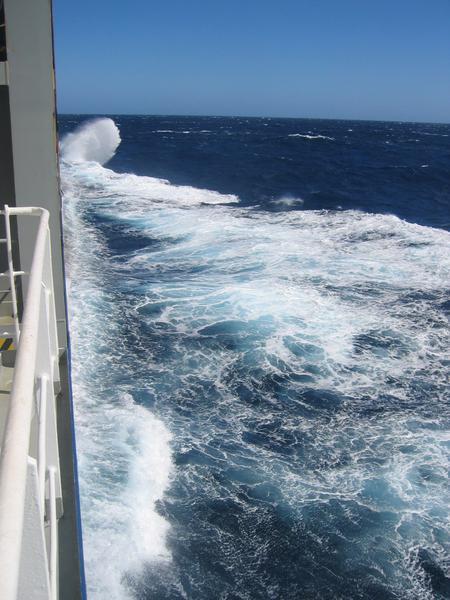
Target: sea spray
(96, 140)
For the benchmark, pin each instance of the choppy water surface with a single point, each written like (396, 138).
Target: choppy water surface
(261, 372)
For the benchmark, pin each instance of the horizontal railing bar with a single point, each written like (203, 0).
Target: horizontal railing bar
(16, 211)
(15, 273)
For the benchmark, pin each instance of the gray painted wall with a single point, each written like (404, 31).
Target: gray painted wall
(7, 194)
(31, 80)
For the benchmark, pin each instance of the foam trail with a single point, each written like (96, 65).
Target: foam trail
(123, 449)
(95, 141)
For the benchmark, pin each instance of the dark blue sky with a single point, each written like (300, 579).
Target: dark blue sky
(359, 59)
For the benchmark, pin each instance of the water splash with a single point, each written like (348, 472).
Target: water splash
(96, 141)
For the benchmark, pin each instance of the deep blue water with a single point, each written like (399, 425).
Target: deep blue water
(261, 357)
(397, 168)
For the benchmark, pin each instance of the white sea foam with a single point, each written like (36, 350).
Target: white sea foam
(99, 181)
(331, 285)
(171, 131)
(433, 134)
(288, 201)
(310, 136)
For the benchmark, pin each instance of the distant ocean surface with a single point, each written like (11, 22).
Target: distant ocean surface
(259, 315)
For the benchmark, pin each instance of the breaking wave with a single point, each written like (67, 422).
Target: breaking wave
(96, 140)
(272, 384)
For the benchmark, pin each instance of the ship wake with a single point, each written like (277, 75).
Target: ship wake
(123, 449)
(261, 397)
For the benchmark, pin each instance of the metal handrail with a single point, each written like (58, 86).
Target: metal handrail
(15, 448)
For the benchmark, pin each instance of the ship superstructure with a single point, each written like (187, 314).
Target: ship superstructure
(40, 534)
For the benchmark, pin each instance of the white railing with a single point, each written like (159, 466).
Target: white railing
(30, 484)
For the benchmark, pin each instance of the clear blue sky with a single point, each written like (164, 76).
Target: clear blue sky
(362, 59)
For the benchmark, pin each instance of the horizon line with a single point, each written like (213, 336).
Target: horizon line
(139, 114)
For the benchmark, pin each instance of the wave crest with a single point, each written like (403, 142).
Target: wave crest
(94, 141)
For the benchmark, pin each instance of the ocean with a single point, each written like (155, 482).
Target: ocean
(259, 320)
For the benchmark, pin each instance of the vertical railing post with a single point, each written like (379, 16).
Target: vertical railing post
(45, 368)
(42, 439)
(53, 566)
(47, 278)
